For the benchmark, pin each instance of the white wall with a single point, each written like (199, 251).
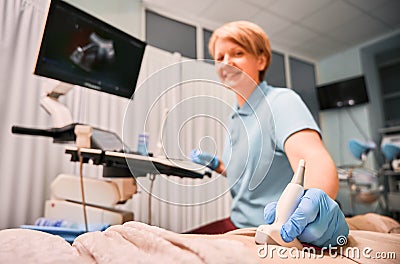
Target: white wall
(339, 66)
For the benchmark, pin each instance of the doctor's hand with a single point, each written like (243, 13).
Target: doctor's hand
(204, 158)
(317, 220)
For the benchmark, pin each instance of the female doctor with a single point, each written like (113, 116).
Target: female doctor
(269, 132)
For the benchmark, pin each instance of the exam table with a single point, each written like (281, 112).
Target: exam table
(378, 241)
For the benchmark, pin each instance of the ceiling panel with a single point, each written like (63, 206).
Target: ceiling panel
(321, 43)
(295, 35)
(279, 44)
(270, 22)
(320, 47)
(367, 5)
(228, 10)
(261, 3)
(389, 13)
(331, 16)
(318, 52)
(193, 7)
(295, 10)
(359, 30)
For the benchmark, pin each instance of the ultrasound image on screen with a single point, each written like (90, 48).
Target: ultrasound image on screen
(80, 49)
(96, 54)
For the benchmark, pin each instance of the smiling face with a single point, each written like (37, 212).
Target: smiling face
(236, 67)
(242, 53)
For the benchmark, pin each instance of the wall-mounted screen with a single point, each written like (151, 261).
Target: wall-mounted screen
(78, 48)
(342, 93)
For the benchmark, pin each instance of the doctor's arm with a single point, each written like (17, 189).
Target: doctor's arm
(317, 219)
(320, 168)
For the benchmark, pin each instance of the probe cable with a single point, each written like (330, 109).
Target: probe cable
(82, 189)
(152, 178)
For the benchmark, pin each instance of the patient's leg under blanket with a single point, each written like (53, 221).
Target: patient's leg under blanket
(373, 222)
(135, 241)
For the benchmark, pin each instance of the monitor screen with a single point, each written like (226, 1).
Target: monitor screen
(342, 93)
(78, 48)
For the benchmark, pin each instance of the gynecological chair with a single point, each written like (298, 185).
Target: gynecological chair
(363, 182)
(391, 171)
(392, 155)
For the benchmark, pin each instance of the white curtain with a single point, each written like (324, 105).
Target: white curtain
(27, 164)
(182, 100)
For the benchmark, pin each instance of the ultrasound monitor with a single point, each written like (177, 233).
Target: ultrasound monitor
(77, 48)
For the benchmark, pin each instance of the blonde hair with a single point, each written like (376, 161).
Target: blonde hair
(248, 35)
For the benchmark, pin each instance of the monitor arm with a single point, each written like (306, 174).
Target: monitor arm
(60, 114)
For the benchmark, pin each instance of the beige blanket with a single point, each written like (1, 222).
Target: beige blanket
(133, 242)
(373, 222)
(136, 242)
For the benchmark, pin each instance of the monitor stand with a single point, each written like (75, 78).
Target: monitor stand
(60, 114)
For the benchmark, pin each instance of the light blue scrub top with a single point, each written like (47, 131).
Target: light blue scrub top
(257, 167)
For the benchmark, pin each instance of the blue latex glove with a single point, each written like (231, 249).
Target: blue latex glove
(204, 158)
(317, 220)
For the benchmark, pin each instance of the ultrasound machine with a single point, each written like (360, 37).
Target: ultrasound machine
(79, 49)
